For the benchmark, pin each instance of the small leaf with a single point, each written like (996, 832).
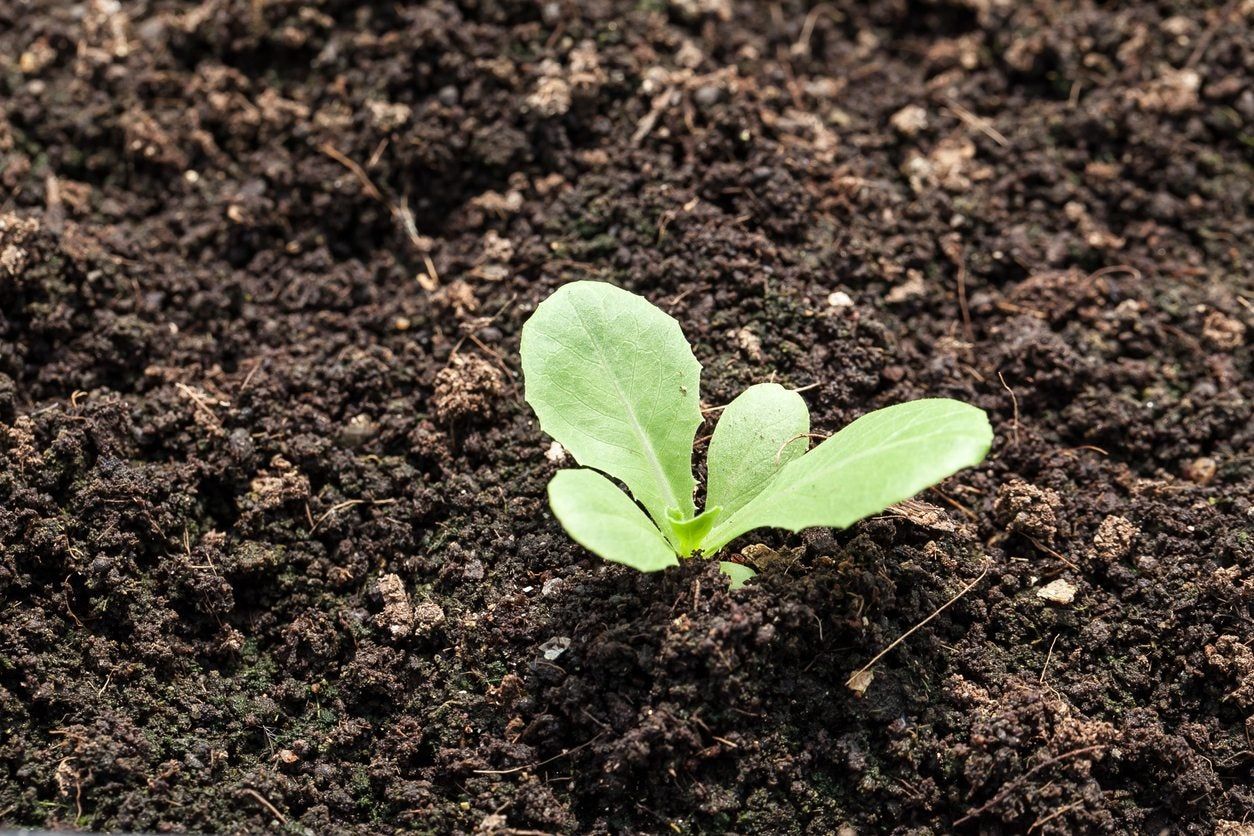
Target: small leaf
(759, 432)
(689, 533)
(737, 573)
(612, 378)
(604, 520)
(882, 458)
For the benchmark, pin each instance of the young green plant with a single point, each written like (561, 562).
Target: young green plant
(612, 379)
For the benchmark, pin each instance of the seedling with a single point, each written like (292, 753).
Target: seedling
(612, 379)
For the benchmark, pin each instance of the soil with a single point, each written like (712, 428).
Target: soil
(274, 550)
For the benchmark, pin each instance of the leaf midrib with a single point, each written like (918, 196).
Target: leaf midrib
(636, 426)
(791, 489)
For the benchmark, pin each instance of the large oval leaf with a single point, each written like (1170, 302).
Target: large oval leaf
(612, 378)
(879, 460)
(604, 520)
(759, 432)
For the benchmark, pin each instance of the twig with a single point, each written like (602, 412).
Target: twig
(802, 45)
(367, 184)
(670, 215)
(1041, 822)
(403, 214)
(1052, 552)
(966, 512)
(346, 504)
(54, 213)
(907, 634)
(660, 103)
(1203, 42)
(1116, 268)
(978, 122)
(563, 754)
(493, 353)
(199, 401)
(1048, 656)
(1073, 95)
(432, 282)
(66, 589)
(335, 509)
(260, 799)
(400, 211)
(485, 323)
(1010, 307)
(1006, 789)
(248, 379)
(377, 153)
(1092, 447)
(952, 247)
(1015, 402)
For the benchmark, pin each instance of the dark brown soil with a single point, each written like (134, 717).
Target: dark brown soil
(273, 544)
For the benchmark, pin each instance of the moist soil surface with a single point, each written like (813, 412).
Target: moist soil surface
(274, 547)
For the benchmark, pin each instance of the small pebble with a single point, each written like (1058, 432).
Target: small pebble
(555, 647)
(241, 445)
(1057, 592)
(707, 95)
(556, 453)
(909, 120)
(1202, 471)
(840, 299)
(358, 430)
(448, 95)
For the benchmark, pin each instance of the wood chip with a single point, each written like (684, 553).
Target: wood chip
(860, 681)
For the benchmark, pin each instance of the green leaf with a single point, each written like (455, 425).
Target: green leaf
(612, 378)
(737, 573)
(759, 432)
(880, 459)
(689, 533)
(604, 520)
